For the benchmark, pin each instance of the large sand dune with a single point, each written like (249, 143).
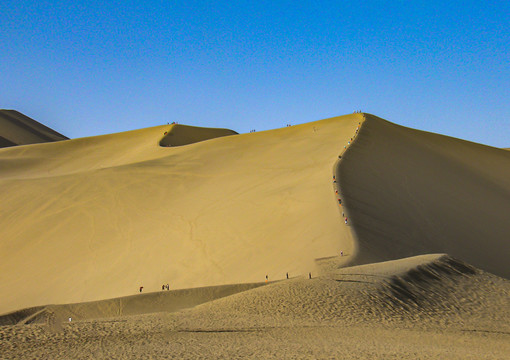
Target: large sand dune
(410, 192)
(96, 218)
(19, 129)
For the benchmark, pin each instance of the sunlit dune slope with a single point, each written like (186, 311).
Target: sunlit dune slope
(410, 192)
(18, 129)
(99, 152)
(97, 218)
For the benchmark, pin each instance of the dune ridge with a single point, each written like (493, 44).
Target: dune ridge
(168, 301)
(410, 192)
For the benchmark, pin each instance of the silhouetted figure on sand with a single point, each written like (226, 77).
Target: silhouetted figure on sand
(141, 288)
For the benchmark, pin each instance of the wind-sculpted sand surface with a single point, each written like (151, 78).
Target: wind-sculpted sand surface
(442, 308)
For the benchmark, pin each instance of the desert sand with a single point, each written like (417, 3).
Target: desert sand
(417, 270)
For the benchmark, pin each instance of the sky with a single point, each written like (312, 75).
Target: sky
(87, 68)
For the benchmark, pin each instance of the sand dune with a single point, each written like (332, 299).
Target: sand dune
(410, 192)
(429, 307)
(95, 218)
(168, 301)
(18, 129)
(410, 274)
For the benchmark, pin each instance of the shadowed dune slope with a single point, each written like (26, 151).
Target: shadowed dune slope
(183, 135)
(18, 129)
(411, 192)
(427, 286)
(96, 218)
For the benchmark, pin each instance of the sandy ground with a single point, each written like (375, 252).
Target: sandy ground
(351, 313)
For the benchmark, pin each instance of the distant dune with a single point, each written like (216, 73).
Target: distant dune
(18, 129)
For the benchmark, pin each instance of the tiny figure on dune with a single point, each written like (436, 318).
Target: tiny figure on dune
(141, 288)
(168, 286)
(287, 275)
(309, 275)
(162, 287)
(346, 221)
(267, 278)
(341, 253)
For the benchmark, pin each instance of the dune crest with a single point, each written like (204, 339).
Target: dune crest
(410, 192)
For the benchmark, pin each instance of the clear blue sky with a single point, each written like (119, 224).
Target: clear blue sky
(90, 67)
